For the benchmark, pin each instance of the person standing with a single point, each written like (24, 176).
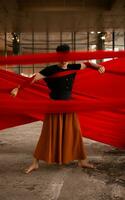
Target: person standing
(61, 138)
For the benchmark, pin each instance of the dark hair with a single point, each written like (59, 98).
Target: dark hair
(63, 48)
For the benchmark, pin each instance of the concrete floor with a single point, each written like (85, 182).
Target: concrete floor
(53, 182)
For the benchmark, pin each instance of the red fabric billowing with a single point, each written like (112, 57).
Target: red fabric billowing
(98, 99)
(58, 57)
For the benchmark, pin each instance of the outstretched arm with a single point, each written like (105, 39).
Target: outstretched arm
(92, 65)
(32, 80)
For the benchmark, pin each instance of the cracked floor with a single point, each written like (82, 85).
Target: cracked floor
(54, 182)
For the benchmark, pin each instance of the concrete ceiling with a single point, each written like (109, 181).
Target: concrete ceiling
(65, 15)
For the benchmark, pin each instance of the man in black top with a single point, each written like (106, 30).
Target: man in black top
(61, 140)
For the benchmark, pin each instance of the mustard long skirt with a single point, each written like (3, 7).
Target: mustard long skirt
(60, 140)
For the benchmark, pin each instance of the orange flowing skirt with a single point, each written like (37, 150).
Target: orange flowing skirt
(61, 139)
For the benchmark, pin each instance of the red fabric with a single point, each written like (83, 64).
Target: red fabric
(98, 99)
(58, 57)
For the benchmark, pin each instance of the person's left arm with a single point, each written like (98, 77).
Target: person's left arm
(92, 65)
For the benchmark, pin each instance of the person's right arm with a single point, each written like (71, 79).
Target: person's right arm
(32, 80)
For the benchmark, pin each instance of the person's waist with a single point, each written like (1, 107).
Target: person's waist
(60, 95)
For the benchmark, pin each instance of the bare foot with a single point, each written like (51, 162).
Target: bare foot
(85, 164)
(34, 166)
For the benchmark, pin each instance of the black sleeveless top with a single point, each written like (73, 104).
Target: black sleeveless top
(60, 87)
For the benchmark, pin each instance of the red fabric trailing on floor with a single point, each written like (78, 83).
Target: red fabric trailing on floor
(98, 99)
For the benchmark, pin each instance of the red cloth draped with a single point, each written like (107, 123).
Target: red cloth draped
(98, 99)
